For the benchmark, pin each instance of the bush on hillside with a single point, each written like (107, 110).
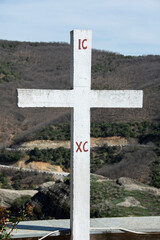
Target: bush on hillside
(7, 157)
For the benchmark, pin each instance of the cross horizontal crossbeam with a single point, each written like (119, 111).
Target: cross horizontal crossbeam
(72, 98)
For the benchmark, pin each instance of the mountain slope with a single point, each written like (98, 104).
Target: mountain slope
(47, 66)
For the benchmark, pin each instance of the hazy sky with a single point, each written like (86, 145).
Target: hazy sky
(130, 27)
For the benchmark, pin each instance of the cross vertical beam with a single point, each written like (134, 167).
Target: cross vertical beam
(80, 135)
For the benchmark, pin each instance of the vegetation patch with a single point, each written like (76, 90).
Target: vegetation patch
(133, 129)
(19, 202)
(106, 194)
(59, 156)
(8, 157)
(155, 169)
(58, 132)
(21, 180)
(7, 72)
(103, 155)
(140, 130)
(10, 45)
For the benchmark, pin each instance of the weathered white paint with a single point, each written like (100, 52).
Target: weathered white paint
(81, 98)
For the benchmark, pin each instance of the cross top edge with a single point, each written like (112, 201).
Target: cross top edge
(81, 45)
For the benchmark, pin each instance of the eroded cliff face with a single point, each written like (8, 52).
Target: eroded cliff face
(52, 201)
(37, 165)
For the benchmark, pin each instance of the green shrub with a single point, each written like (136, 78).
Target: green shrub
(104, 129)
(4, 181)
(155, 169)
(105, 154)
(10, 45)
(120, 129)
(59, 156)
(19, 202)
(58, 132)
(155, 173)
(7, 72)
(17, 184)
(7, 157)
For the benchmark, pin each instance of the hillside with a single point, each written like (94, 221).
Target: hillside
(47, 65)
(108, 198)
(137, 157)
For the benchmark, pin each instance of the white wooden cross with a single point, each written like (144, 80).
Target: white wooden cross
(80, 99)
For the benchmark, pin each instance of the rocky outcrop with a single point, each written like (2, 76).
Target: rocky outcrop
(53, 198)
(7, 196)
(130, 202)
(45, 185)
(52, 201)
(132, 185)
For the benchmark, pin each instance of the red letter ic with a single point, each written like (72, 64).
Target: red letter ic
(81, 44)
